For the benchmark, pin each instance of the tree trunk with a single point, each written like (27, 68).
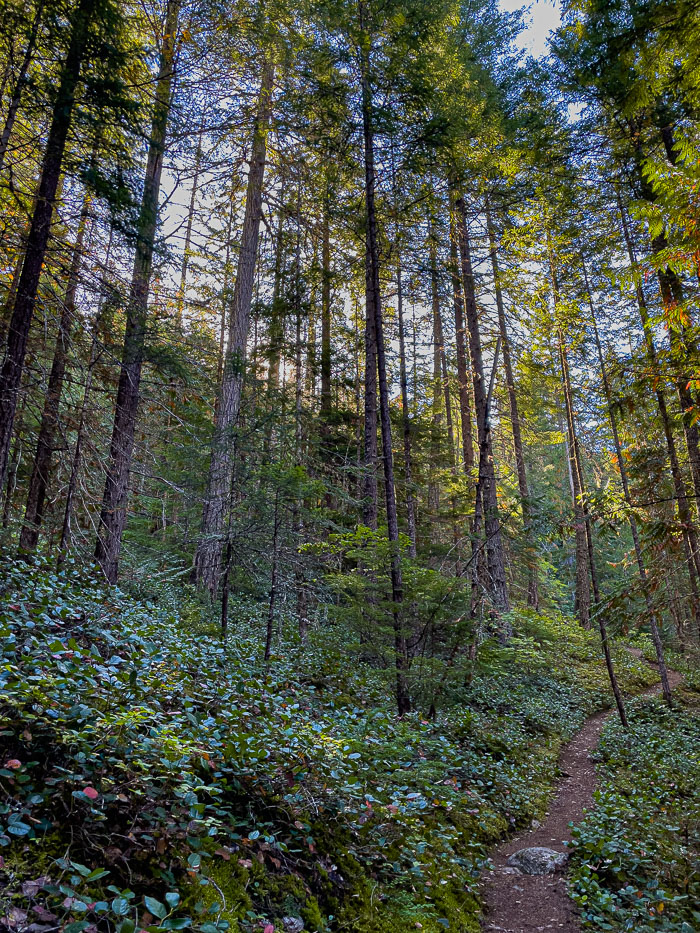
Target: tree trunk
(671, 289)
(532, 585)
(41, 469)
(461, 352)
(487, 476)
(437, 402)
(35, 251)
(406, 415)
(208, 555)
(15, 460)
(689, 535)
(326, 402)
(273, 579)
(653, 625)
(374, 311)
(277, 309)
(579, 486)
(370, 504)
(16, 96)
(583, 590)
(182, 288)
(114, 500)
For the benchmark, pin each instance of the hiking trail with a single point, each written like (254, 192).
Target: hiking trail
(521, 903)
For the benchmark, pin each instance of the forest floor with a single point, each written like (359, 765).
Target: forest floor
(154, 777)
(516, 902)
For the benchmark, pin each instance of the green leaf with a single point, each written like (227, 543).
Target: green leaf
(156, 908)
(172, 898)
(120, 906)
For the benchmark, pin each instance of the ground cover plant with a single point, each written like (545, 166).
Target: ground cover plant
(155, 778)
(636, 857)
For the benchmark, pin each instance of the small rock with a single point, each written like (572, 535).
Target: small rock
(292, 924)
(535, 824)
(538, 860)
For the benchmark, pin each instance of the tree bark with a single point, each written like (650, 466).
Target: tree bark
(114, 500)
(35, 251)
(208, 554)
(41, 469)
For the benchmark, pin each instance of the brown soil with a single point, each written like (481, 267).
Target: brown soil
(515, 903)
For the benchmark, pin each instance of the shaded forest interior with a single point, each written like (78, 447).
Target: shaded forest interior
(350, 363)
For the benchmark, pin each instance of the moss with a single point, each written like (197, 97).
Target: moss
(35, 857)
(226, 885)
(233, 892)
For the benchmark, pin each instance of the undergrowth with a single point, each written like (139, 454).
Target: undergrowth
(154, 778)
(636, 857)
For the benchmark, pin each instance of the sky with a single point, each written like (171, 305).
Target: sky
(541, 16)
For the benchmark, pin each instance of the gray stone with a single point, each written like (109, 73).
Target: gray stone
(538, 860)
(292, 924)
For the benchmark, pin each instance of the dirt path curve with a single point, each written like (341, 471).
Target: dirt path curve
(516, 903)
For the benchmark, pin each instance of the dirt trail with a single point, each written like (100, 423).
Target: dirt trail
(518, 903)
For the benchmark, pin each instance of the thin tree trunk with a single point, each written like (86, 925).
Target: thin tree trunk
(41, 469)
(326, 371)
(15, 460)
(66, 529)
(671, 290)
(208, 555)
(487, 476)
(437, 402)
(224, 293)
(277, 309)
(370, 504)
(689, 535)
(35, 251)
(114, 500)
(579, 486)
(273, 580)
(65, 540)
(16, 96)
(374, 310)
(461, 353)
(653, 625)
(583, 590)
(406, 415)
(184, 269)
(532, 586)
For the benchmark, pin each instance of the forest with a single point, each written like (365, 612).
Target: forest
(349, 466)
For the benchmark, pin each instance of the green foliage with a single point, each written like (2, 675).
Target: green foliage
(154, 776)
(635, 855)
